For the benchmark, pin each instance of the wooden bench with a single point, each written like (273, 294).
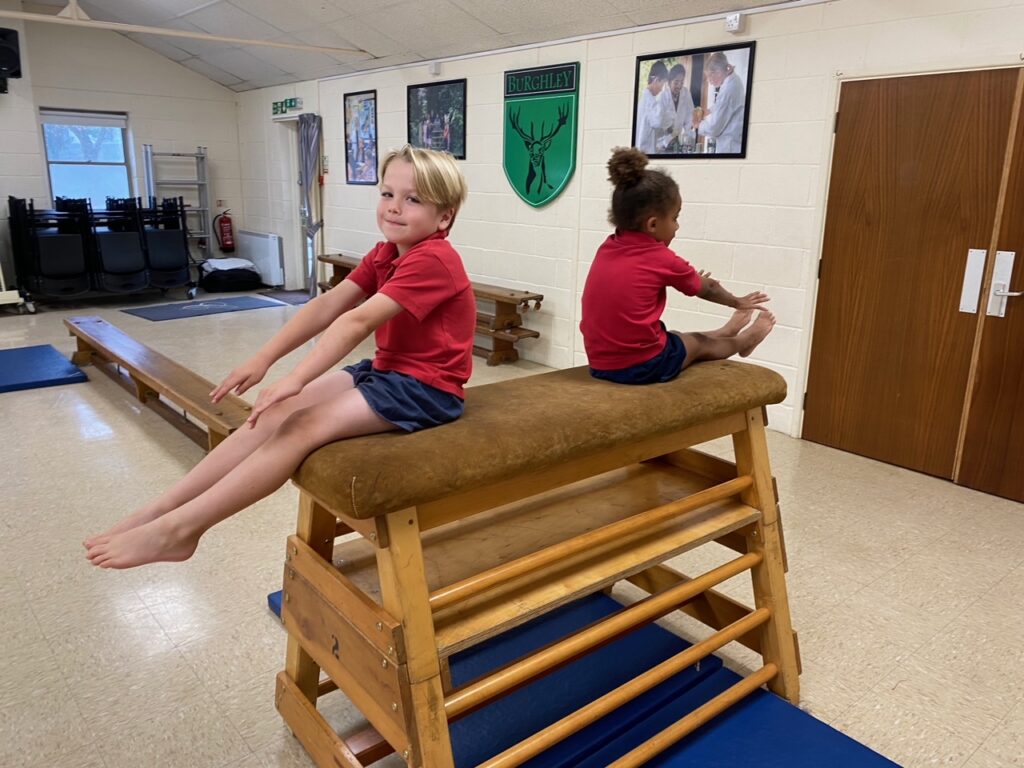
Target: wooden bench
(154, 379)
(500, 329)
(481, 539)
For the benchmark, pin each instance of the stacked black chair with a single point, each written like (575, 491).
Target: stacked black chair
(51, 255)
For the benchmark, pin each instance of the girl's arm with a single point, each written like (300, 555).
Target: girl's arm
(712, 290)
(341, 338)
(313, 318)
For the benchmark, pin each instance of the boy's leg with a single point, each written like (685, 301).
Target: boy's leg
(229, 453)
(174, 536)
(702, 346)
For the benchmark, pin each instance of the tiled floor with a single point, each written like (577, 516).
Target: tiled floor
(906, 590)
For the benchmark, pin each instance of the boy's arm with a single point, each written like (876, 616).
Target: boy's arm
(340, 338)
(712, 290)
(315, 315)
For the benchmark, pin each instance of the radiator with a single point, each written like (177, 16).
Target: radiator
(264, 250)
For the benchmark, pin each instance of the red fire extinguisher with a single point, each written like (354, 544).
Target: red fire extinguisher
(225, 232)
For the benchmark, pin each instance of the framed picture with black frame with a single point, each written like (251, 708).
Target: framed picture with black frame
(361, 137)
(436, 116)
(694, 103)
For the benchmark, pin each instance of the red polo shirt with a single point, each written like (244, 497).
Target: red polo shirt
(625, 295)
(432, 340)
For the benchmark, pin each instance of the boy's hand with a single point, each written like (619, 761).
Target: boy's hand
(751, 300)
(275, 393)
(247, 375)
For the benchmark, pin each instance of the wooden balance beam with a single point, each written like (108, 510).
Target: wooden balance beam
(456, 534)
(153, 378)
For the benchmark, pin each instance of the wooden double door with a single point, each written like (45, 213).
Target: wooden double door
(917, 356)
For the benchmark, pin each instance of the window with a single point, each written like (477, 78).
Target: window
(86, 154)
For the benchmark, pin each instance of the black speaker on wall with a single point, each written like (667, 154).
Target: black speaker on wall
(10, 57)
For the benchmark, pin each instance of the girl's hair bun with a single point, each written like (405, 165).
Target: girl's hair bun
(626, 166)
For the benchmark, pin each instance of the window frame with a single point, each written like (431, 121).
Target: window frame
(58, 116)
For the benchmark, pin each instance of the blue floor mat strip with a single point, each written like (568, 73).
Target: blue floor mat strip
(509, 720)
(199, 308)
(38, 366)
(761, 730)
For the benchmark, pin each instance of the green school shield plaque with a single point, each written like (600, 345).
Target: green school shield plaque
(540, 130)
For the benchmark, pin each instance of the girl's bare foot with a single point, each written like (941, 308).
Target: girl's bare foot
(756, 333)
(158, 541)
(736, 323)
(140, 517)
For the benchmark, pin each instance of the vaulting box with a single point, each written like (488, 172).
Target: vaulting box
(410, 548)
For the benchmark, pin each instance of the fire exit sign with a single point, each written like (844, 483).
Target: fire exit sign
(282, 107)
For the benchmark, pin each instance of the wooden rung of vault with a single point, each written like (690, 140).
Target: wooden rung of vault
(595, 710)
(687, 725)
(642, 522)
(556, 655)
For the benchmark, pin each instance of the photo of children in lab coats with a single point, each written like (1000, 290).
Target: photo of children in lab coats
(693, 103)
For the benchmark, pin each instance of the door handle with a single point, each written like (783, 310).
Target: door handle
(1001, 276)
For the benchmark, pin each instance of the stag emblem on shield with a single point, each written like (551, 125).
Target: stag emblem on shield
(537, 146)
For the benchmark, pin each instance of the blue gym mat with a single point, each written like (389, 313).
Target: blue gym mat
(39, 366)
(761, 730)
(203, 307)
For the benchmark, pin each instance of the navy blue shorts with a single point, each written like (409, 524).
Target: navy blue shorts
(404, 401)
(664, 366)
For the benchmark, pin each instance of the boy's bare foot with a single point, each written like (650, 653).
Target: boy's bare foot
(736, 323)
(756, 333)
(145, 515)
(155, 542)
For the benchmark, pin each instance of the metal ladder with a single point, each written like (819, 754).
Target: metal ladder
(197, 206)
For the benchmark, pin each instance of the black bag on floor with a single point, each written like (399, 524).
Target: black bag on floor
(224, 275)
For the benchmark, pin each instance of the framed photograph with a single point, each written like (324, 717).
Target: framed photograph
(694, 103)
(437, 116)
(361, 137)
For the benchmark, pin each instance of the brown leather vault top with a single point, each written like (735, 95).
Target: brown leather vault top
(523, 425)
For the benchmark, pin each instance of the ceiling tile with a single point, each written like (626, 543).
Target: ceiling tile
(143, 12)
(216, 74)
(223, 18)
(243, 65)
(366, 37)
(195, 47)
(421, 24)
(173, 7)
(284, 16)
(534, 15)
(162, 45)
(394, 60)
(567, 30)
(289, 59)
(270, 81)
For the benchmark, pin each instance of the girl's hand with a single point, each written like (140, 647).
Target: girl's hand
(247, 375)
(751, 300)
(275, 393)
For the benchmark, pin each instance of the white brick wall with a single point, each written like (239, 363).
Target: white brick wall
(756, 223)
